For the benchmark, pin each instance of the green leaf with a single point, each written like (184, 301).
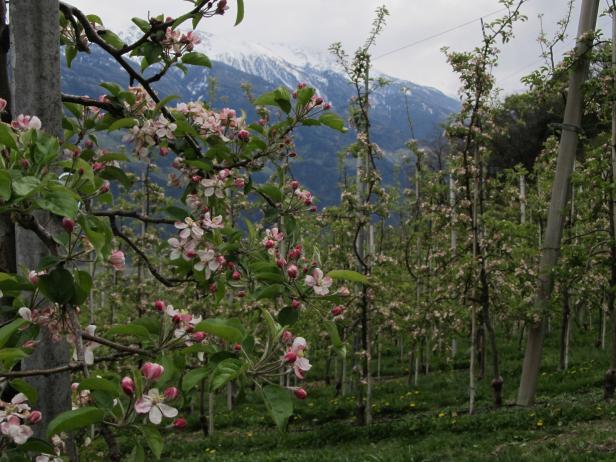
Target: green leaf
(113, 173)
(279, 97)
(194, 377)
(130, 329)
(279, 404)
(12, 354)
(239, 17)
(273, 327)
(37, 446)
(138, 454)
(333, 121)
(26, 185)
(196, 59)
(141, 24)
(12, 282)
(59, 201)
(332, 330)
(58, 285)
(304, 95)
(225, 371)
(112, 39)
(5, 185)
(96, 383)
(154, 439)
(24, 387)
(73, 420)
(273, 291)
(348, 275)
(288, 316)
(71, 54)
(7, 136)
(98, 233)
(227, 329)
(269, 277)
(126, 122)
(7, 331)
(83, 284)
(271, 191)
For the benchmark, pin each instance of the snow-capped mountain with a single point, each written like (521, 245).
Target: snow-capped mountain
(267, 66)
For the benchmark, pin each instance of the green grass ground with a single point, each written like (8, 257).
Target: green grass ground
(430, 422)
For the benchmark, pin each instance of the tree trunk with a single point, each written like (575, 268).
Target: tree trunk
(35, 60)
(564, 166)
(564, 331)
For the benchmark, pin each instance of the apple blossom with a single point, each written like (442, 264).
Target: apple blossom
(300, 393)
(318, 282)
(153, 405)
(128, 386)
(117, 260)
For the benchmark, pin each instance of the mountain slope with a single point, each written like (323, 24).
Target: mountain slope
(266, 67)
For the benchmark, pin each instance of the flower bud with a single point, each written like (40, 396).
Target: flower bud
(294, 185)
(286, 337)
(68, 224)
(237, 346)
(171, 393)
(337, 310)
(290, 357)
(198, 336)
(243, 135)
(152, 371)
(179, 423)
(292, 271)
(33, 277)
(236, 276)
(117, 260)
(104, 187)
(164, 151)
(159, 305)
(300, 393)
(128, 386)
(296, 304)
(239, 183)
(98, 166)
(35, 417)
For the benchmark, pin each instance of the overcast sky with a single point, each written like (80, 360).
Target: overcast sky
(315, 24)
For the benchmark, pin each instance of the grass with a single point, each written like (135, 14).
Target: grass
(430, 422)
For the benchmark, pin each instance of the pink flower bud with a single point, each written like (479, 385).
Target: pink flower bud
(237, 346)
(286, 337)
(318, 101)
(25, 163)
(159, 305)
(179, 423)
(33, 277)
(104, 187)
(327, 106)
(88, 144)
(196, 178)
(152, 371)
(290, 357)
(74, 386)
(128, 386)
(243, 135)
(292, 154)
(292, 271)
(337, 310)
(280, 262)
(241, 293)
(300, 393)
(269, 244)
(236, 276)
(296, 304)
(171, 393)
(68, 225)
(35, 417)
(198, 336)
(294, 185)
(98, 166)
(164, 151)
(239, 183)
(76, 153)
(117, 260)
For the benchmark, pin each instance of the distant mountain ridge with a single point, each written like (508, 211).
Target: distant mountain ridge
(265, 67)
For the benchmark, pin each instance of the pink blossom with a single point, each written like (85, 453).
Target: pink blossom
(68, 224)
(3, 104)
(153, 405)
(14, 430)
(300, 393)
(117, 260)
(292, 271)
(286, 336)
(318, 282)
(189, 228)
(24, 122)
(337, 310)
(213, 223)
(35, 417)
